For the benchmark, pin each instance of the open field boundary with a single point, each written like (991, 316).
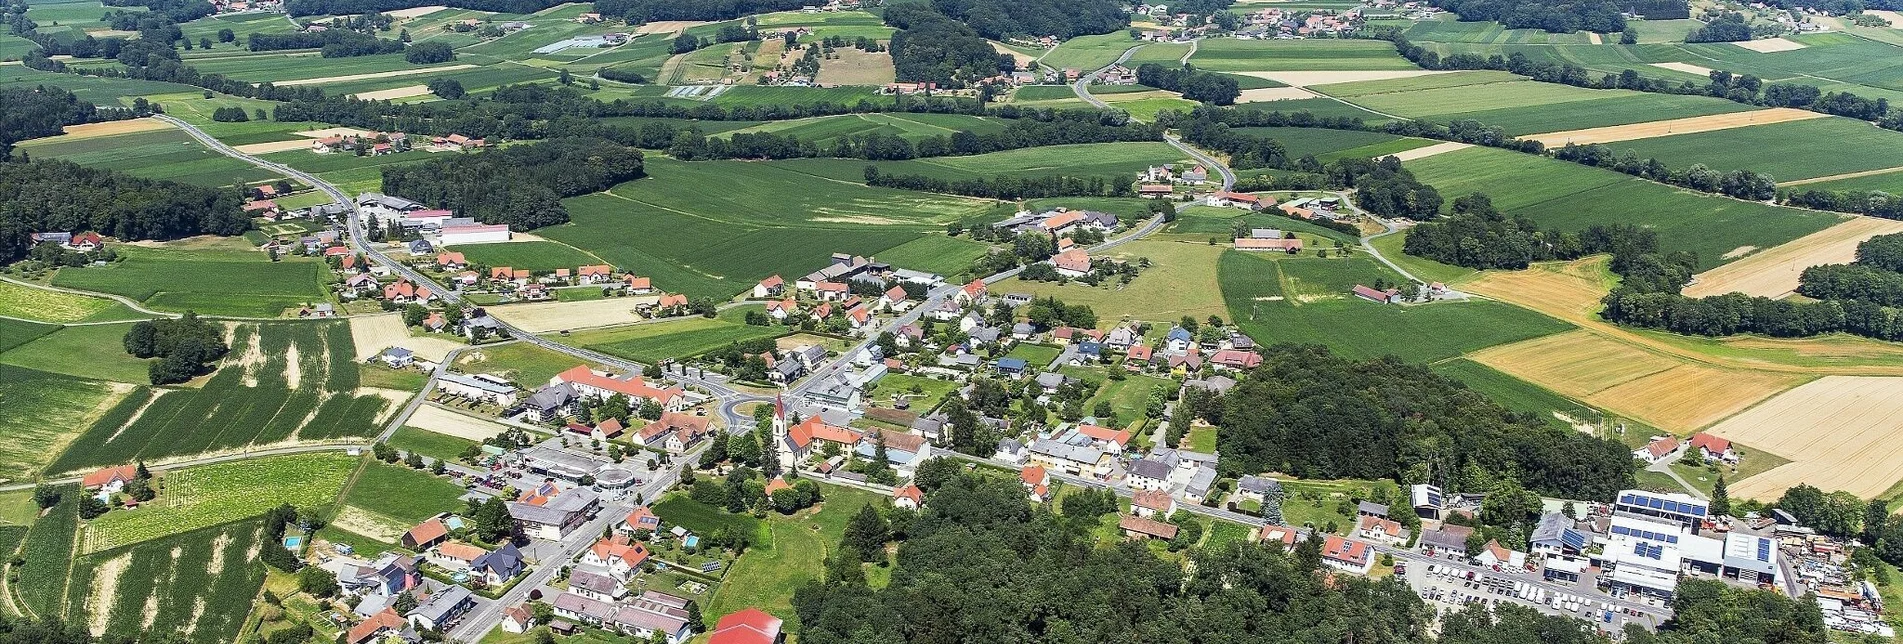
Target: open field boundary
(1689, 125)
(1774, 272)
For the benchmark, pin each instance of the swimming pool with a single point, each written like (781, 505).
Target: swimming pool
(293, 541)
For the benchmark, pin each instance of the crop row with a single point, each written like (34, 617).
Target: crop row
(49, 555)
(208, 495)
(176, 584)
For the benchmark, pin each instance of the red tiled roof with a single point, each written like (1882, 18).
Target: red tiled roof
(813, 428)
(1151, 500)
(1149, 527)
(777, 484)
(910, 492)
(1062, 219)
(593, 270)
(746, 626)
(426, 532)
(620, 547)
(1286, 243)
(642, 517)
(1347, 551)
(773, 282)
(461, 551)
(1711, 443)
(122, 473)
(1662, 446)
(1033, 475)
(896, 294)
(677, 299)
(830, 287)
(369, 628)
(1118, 436)
(639, 283)
(445, 259)
(1236, 358)
(1075, 259)
(635, 387)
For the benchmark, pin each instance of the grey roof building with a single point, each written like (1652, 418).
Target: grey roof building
(1149, 469)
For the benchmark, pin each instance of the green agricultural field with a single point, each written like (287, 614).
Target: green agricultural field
(765, 95)
(48, 554)
(57, 307)
(292, 381)
(1179, 282)
(241, 25)
(1890, 182)
(404, 494)
(826, 130)
(82, 14)
(278, 67)
(1167, 53)
(1086, 159)
(1088, 53)
(849, 24)
(156, 154)
(528, 365)
(1146, 109)
(1663, 31)
(1322, 107)
(1220, 222)
(432, 445)
(1616, 108)
(532, 255)
(1232, 55)
(791, 556)
(1440, 80)
(706, 127)
(682, 338)
(196, 109)
(103, 345)
(15, 48)
(935, 254)
(1449, 29)
(1840, 62)
(202, 584)
(1305, 300)
(1787, 151)
(14, 333)
(40, 413)
(1430, 103)
(1514, 393)
(1569, 196)
(1327, 145)
(208, 495)
(211, 282)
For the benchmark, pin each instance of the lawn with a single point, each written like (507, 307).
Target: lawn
(1319, 503)
(205, 600)
(673, 339)
(1036, 355)
(1179, 282)
(531, 255)
(404, 494)
(940, 254)
(1568, 196)
(40, 413)
(102, 345)
(930, 390)
(1232, 55)
(791, 556)
(211, 282)
(1127, 397)
(1305, 300)
(282, 382)
(156, 154)
(54, 306)
(1787, 151)
(1752, 463)
(1202, 438)
(442, 447)
(210, 495)
(530, 366)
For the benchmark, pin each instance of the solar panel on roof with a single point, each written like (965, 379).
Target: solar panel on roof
(1764, 550)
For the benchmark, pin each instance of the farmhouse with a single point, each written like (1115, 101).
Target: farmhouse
(1227, 199)
(675, 431)
(110, 480)
(908, 497)
(1713, 448)
(425, 534)
(1657, 450)
(801, 439)
(376, 626)
(902, 450)
(769, 287)
(1290, 245)
(1389, 296)
(1155, 190)
(1135, 527)
(1152, 503)
(591, 384)
(1072, 263)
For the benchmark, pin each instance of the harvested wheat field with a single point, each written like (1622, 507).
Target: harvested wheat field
(334, 131)
(109, 128)
(1839, 433)
(272, 146)
(543, 317)
(444, 421)
(1688, 125)
(1422, 153)
(1274, 94)
(1773, 273)
(1770, 45)
(855, 67)
(1307, 78)
(667, 26)
(1661, 390)
(1024, 61)
(415, 12)
(389, 74)
(1684, 67)
(1566, 290)
(373, 333)
(393, 93)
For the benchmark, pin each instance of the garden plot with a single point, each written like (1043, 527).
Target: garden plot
(1774, 272)
(1839, 433)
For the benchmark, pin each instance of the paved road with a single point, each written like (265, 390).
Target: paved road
(1082, 89)
(442, 367)
(1664, 466)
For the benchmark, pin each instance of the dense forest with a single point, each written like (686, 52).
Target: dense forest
(62, 196)
(1556, 16)
(932, 48)
(34, 112)
(1009, 188)
(1065, 19)
(335, 43)
(1313, 414)
(1728, 27)
(642, 11)
(979, 564)
(347, 7)
(518, 185)
(1479, 236)
(1195, 85)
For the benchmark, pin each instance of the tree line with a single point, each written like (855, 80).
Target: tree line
(1479, 236)
(518, 185)
(1743, 184)
(40, 111)
(334, 43)
(51, 195)
(1555, 16)
(349, 7)
(930, 47)
(642, 11)
(690, 145)
(1007, 187)
(1194, 84)
(1313, 414)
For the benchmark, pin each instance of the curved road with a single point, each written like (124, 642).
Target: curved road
(1082, 89)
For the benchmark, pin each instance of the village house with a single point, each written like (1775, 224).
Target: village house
(1382, 530)
(1072, 263)
(1071, 459)
(1234, 360)
(596, 585)
(424, 535)
(1037, 482)
(497, 568)
(1657, 450)
(1227, 199)
(1347, 555)
(517, 619)
(904, 451)
(1257, 488)
(1713, 448)
(111, 480)
(1135, 527)
(908, 497)
(556, 517)
(454, 556)
(591, 384)
(769, 287)
(642, 518)
(620, 556)
(802, 439)
(675, 432)
(1152, 504)
(1147, 474)
(637, 285)
(387, 621)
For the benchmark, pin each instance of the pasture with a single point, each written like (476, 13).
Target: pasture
(1446, 28)
(935, 254)
(210, 282)
(1178, 283)
(401, 493)
(1568, 196)
(1232, 55)
(1084, 159)
(849, 24)
(208, 495)
(1835, 430)
(532, 255)
(1514, 393)
(1774, 272)
(1220, 222)
(54, 352)
(674, 339)
(56, 307)
(1305, 300)
(826, 130)
(432, 445)
(41, 412)
(1327, 145)
(198, 585)
(167, 154)
(526, 364)
(287, 383)
(1088, 53)
(792, 555)
(1786, 151)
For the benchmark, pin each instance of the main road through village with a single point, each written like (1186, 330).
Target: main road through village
(726, 400)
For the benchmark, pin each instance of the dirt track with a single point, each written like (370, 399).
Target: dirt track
(1674, 126)
(1774, 272)
(1838, 431)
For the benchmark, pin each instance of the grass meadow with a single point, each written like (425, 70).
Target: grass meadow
(1320, 106)
(1220, 222)
(208, 495)
(401, 493)
(40, 413)
(1178, 283)
(1088, 53)
(1569, 196)
(1514, 393)
(198, 585)
(442, 447)
(297, 383)
(1305, 299)
(1231, 55)
(102, 345)
(154, 154)
(528, 365)
(1085, 159)
(682, 338)
(211, 282)
(791, 554)
(14, 333)
(58, 307)
(1787, 151)
(1327, 145)
(940, 254)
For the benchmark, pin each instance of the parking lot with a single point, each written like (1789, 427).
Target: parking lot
(1449, 587)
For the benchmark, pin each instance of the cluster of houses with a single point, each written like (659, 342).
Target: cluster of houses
(524, 285)
(1285, 24)
(443, 225)
(828, 294)
(245, 6)
(1706, 448)
(1193, 174)
(366, 144)
(85, 242)
(372, 587)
